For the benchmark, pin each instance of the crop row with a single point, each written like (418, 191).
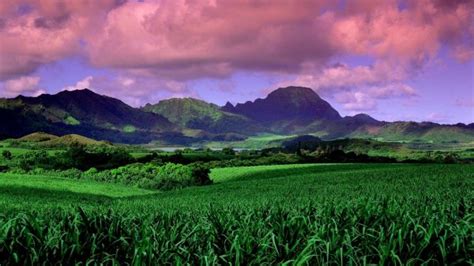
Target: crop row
(364, 231)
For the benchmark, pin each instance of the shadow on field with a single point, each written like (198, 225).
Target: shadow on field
(19, 193)
(278, 173)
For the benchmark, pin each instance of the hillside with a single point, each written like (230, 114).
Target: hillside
(416, 132)
(285, 111)
(82, 112)
(196, 114)
(38, 137)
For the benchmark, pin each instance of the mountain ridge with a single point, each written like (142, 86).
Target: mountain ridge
(285, 111)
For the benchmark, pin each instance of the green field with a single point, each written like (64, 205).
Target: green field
(296, 214)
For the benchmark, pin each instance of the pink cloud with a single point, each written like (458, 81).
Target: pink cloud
(357, 101)
(25, 85)
(366, 98)
(134, 90)
(44, 32)
(437, 117)
(183, 40)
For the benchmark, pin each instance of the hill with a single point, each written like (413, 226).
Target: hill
(197, 114)
(416, 132)
(38, 137)
(71, 139)
(82, 112)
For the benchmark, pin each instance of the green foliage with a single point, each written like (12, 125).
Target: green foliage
(228, 151)
(35, 159)
(152, 176)
(197, 114)
(76, 156)
(70, 120)
(383, 214)
(129, 129)
(7, 155)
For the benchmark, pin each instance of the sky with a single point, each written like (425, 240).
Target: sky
(394, 60)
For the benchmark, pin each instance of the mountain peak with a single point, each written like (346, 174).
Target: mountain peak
(362, 119)
(293, 91)
(82, 92)
(228, 105)
(291, 104)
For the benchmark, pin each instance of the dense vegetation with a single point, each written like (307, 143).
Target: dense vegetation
(75, 200)
(285, 111)
(298, 214)
(197, 114)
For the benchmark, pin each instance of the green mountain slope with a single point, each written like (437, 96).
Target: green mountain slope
(416, 132)
(197, 114)
(285, 111)
(82, 112)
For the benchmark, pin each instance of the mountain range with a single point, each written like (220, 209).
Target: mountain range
(285, 111)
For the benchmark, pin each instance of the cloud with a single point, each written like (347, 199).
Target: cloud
(357, 101)
(366, 98)
(34, 33)
(163, 38)
(158, 47)
(80, 85)
(134, 90)
(25, 85)
(437, 117)
(357, 88)
(186, 40)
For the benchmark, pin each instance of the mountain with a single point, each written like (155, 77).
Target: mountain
(286, 109)
(299, 110)
(82, 112)
(196, 114)
(415, 132)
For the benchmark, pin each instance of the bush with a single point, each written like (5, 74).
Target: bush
(4, 168)
(7, 154)
(151, 176)
(34, 159)
(81, 157)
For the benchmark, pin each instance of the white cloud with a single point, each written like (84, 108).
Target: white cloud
(80, 85)
(25, 85)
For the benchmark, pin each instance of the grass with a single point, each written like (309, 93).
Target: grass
(129, 129)
(70, 120)
(293, 214)
(68, 185)
(19, 151)
(252, 142)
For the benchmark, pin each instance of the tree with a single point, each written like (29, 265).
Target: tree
(7, 154)
(228, 151)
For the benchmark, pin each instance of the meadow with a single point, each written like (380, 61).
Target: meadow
(287, 214)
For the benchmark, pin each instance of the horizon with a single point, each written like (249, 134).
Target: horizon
(415, 57)
(220, 106)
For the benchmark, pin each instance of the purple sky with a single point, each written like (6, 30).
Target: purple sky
(395, 60)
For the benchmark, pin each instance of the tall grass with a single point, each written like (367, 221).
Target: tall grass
(349, 214)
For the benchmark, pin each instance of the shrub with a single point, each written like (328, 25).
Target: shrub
(4, 168)
(34, 159)
(7, 154)
(152, 176)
